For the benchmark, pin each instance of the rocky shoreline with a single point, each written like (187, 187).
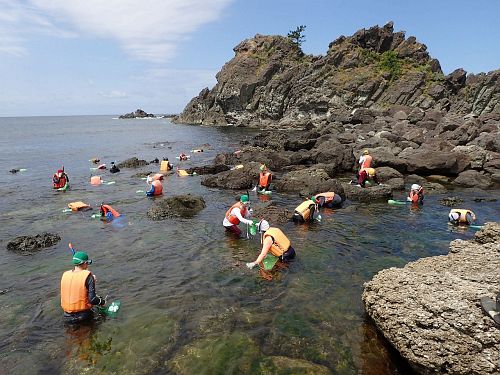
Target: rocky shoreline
(374, 90)
(429, 310)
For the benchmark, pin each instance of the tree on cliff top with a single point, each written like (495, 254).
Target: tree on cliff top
(297, 36)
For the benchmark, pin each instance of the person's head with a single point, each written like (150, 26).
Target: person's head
(366, 152)
(112, 163)
(453, 216)
(262, 226)
(263, 167)
(415, 187)
(245, 199)
(81, 259)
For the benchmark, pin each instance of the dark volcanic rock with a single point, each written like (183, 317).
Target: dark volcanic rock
(27, 245)
(208, 169)
(185, 206)
(430, 312)
(132, 163)
(139, 113)
(271, 212)
(367, 194)
(451, 201)
(237, 179)
(308, 181)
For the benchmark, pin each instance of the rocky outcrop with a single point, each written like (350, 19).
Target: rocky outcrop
(185, 206)
(430, 311)
(139, 113)
(27, 245)
(271, 212)
(132, 163)
(270, 82)
(237, 179)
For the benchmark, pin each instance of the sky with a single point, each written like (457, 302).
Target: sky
(91, 57)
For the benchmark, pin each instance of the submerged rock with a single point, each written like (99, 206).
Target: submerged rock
(451, 201)
(26, 245)
(430, 311)
(132, 163)
(179, 206)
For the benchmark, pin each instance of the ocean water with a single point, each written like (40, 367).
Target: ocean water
(189, 304)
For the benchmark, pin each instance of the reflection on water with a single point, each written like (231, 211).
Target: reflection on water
(189, 304)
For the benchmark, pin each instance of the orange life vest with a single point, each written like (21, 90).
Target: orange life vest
(232, 218)
(74, 293)
(95, 180)
(414, 195)
(304, 209)
(265, 179)
(367, 162)
(107, 208)
(463, 215)
(329, 195)
(158, 187)
(281, 243)
(77, 206)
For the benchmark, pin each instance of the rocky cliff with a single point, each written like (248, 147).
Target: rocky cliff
(430, 310)
(270, 82)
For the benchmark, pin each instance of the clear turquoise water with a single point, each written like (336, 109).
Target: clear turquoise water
(189, 304)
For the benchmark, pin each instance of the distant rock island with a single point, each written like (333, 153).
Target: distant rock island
(139, 113)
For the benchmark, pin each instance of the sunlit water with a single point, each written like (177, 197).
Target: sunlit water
(189, 304)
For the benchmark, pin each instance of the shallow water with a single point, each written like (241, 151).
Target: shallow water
(189, 304)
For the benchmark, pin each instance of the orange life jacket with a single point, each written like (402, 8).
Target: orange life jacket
(74, 293)
(77, 206)
(304, 209)
(158, 187)
(107, 208)
(367, 162)
(95, 180)
(281, 243)
(232, 218)
(463, 215)
(414, 195)
(329, 195)
(265, 179)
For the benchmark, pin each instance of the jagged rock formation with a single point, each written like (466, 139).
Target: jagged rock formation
(27, 245)
(430, 310)
(139, 113)
(270, 82)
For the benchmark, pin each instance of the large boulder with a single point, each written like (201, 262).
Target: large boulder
(308, 181)
(336, 154)
(473, 179)
(27, 245)
(236, 179)
(429, 161)
(132, 163)
(367, 194)
(185, 206)
(209, 169)
(429, 310)
(271, 212)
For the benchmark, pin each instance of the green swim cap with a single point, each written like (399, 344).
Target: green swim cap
(244, 198)
(81, 257)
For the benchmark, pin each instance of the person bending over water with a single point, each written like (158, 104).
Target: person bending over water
(273, 240)
(238, 212)
(459, 216)
(60, 179)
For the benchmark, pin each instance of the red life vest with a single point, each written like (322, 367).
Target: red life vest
(158, 187)
(74, 293)
(265, 179)
(107, 208)
(415, 195)
(232, 218)
(59, 179)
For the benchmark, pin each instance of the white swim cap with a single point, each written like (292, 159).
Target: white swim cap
(453, 216)
(415, 187)
(263, 225)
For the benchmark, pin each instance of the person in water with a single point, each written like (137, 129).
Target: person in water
(183, 156)
(78, 293)
(328, 199)
(416, 195)
(169, 166)
(307, 210)
(108, 213)
(156, 187)
(273, 240)
(60, 179)
(114, 168)
(237, 213)
(459, 216)
(265, 178)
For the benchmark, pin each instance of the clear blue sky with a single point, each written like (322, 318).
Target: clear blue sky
(68, 57)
